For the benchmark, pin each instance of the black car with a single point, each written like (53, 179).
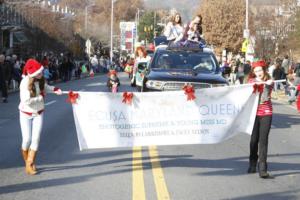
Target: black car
(172, 68)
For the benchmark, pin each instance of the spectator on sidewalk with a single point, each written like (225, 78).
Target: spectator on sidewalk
(2, 79)
(94, 63)
(285, 66)
(239, 70)
(8, 70)
(291, 86)
(278, 74)
(247, 70)
(297, 74)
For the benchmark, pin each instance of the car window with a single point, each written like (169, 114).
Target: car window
(185, 60)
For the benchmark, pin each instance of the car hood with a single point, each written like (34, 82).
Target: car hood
(185, 76)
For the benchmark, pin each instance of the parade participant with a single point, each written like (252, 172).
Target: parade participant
(263, 120)
(141, 56)
(129, 66)
(174, 29)
(113, 81)
(197, 21)
(194, 34)
(32, 93)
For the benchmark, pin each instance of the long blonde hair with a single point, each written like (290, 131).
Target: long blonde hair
(31, 86)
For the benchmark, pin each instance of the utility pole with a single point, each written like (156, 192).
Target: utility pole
(137, 24)
(111, 31)
(85, 23)
(247, 14)
(154, 25)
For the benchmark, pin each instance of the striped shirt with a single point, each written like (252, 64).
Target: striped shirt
(265, 107)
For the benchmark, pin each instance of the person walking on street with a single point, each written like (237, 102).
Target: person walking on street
(240, 72)
(2, 79)
(278, 74)
(32, 94)
(260, 134)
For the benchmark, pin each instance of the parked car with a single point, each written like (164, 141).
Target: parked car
(172, 68)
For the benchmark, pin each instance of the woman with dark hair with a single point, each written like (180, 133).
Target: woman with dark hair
(260, 134)
(174, 29)
(32, 93)
(2, 79)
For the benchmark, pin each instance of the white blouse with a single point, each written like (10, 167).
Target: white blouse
(32, 104)
(174, 32)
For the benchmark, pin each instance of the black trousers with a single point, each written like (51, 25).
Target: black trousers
(259, 139)
(3, 88)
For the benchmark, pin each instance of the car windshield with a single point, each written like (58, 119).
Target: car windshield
(199, 62)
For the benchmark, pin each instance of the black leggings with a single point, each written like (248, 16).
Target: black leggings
(259, 138)
(3, 88)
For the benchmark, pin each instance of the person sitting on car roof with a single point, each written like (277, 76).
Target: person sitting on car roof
(196, 21)
(174, 29)
(194, 34)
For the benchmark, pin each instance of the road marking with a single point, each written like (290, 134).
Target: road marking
(159, 180)
(50, 102)
(138, 187)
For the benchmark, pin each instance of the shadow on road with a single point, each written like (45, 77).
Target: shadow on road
(287, 195)
(227, 167)
(285, 120)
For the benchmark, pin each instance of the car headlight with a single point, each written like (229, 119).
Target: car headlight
(154, 85)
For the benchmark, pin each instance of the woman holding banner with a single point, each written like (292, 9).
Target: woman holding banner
(32, 93)
(263, 120)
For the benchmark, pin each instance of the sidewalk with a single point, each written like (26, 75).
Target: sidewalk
(282, 98)
(74, 78)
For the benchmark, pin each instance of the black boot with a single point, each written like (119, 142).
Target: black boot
(252, 166)
(262, 167)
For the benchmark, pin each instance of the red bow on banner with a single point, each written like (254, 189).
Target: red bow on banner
(258, 88)
(72, 97)
(190, 92)
(127, 97)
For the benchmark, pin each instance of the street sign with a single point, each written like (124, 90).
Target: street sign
(245, 45)
(88, 45)
(246, 33)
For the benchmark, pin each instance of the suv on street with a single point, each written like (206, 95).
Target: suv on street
(173, 67)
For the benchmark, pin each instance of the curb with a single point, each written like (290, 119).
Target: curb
(73, 79)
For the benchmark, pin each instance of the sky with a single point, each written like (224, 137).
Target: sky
(185, 7)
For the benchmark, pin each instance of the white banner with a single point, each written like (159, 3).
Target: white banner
(164, 118)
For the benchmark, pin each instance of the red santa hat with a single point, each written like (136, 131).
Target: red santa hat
(259, 63)
(32, 68)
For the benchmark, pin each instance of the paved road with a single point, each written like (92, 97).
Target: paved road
(165, 172)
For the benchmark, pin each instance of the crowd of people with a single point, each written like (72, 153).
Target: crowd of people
(237, 72)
